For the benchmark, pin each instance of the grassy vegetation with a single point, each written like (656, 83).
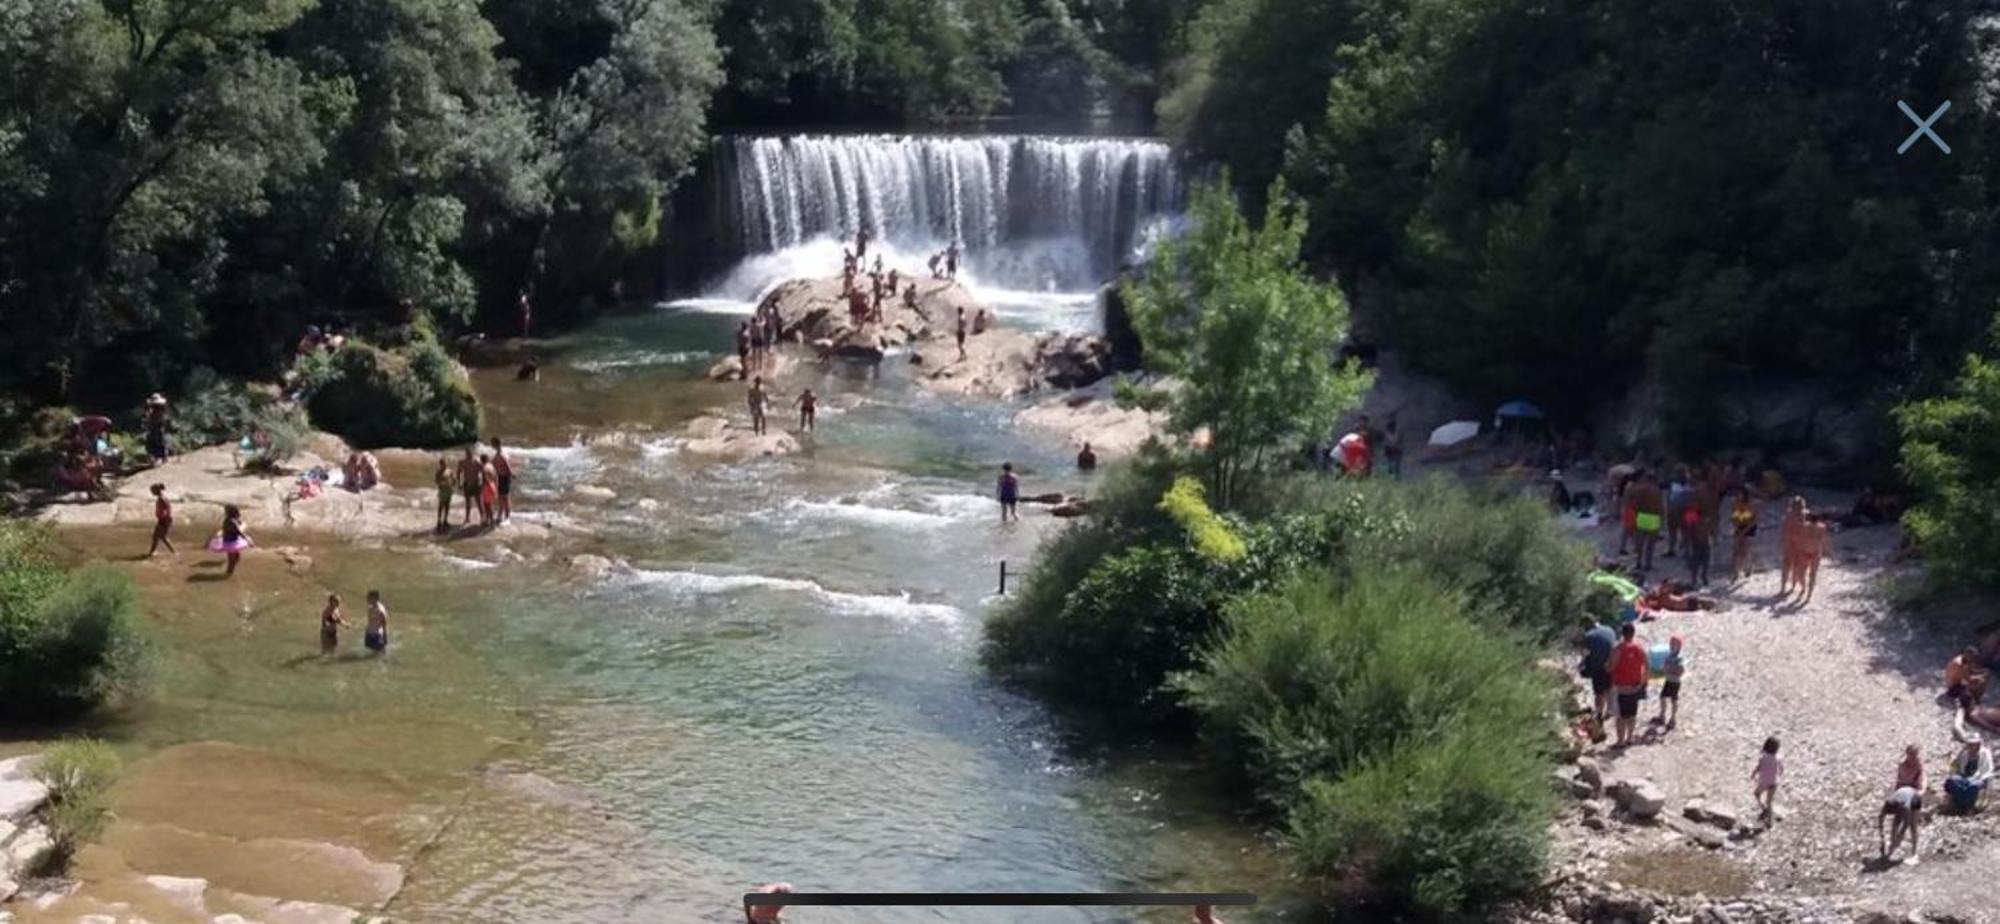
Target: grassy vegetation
(79, 775)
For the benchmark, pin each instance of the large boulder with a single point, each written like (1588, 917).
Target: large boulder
(1073, 361)
(20, 793)
(1642, 799)
(1121, 338)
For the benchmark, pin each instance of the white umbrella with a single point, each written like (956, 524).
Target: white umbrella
(1454, 433)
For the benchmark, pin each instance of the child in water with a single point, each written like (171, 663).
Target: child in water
(376, 636)
(330, 621)
(163, 521)
(231, 540)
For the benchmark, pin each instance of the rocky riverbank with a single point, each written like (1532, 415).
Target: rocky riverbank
(1665, 830)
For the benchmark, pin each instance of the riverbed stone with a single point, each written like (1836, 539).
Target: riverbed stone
(20, 792)
(1708, 813)
(1590, 773)
(1641, 798)
(27, 849)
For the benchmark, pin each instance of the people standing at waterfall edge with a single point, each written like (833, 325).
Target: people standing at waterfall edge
(757, 399)
(163, 521)
(376, 636)
(743, 348)
(951, 261)
(330, 621)
(469, 469)
(1086, 461)
(447, 484)
(961, 332)
(861, 244)
(503, 468)
(1010, 494)
(231, 540)
(808, 409)
(933, 264)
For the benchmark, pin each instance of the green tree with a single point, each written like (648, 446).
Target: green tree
(1232, 313)
(1951, 455)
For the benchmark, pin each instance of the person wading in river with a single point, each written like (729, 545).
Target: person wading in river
(330, 621)
(808, 408)
(376, 636)
(469, 475)
(163, 521)
(504, 470)
(757, 399)
(1010, 494)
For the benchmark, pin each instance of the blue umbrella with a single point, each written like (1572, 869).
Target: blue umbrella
(1518, 408)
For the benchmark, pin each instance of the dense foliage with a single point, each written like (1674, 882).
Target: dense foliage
(1231, 311)
(79, 775)
(184, 181)
(372, 397)
(68, 641)
(1558, 200)
(1951, 456)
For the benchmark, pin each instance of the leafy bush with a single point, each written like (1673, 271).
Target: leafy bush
(1407, 744)
(1513, 565)
(67, 642)
(209, 410)
(1951, 456)
(284, 429)
(1210, 535)
(376, 398)
(1438, 826)
(79, 775)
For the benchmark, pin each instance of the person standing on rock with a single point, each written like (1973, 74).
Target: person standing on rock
(527, 313)
(951, 261)
(503, 469)
(1679, 496)
(808, 410)
(1010, 494)
(961, 332)
(1648, 508)
(1671, 672)
(1695, 538)
(376, 636)
(861, 244)
(156, 429)
(469, 474)
(1815, 537)
(447, 484)
(743, 347)
(1904, 807)
(757, 399)
(1743, 522)
(489, 491)
(1628, 681)
(1791, 533)
(163, 521)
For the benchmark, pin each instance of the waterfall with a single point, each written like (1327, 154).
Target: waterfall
(1032, 212)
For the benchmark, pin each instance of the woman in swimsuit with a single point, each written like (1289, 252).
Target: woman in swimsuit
(330, 621)
(163, 521)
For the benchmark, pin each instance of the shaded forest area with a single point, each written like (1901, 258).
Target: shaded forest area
(1560, 199)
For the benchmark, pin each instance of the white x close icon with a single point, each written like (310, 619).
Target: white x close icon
(1923, 127)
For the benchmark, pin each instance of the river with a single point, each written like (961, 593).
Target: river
(780, 681)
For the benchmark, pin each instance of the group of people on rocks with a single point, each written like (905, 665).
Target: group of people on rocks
(1689, 512)
(87, 453)
(485, 481)
(757, 339)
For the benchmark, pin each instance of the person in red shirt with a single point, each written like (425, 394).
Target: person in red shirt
(1628, 681)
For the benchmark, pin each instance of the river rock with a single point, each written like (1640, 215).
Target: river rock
(1569, 783)
(727, 369)
(1641, 798)
(716, 437)
(592, 492)
(1699, 833)
(1073, 507)
(1591, 773)
(1701, 811)
(20, 793)
(27, 849)
(1092, 416)
(591, 566)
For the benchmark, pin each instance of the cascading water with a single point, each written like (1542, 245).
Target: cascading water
(1031, 213)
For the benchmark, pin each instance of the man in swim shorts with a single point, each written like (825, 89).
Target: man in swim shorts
(504, 469)
(1648, 516)
(757, 399)
(376, 636)
(469, 473)
(1598, 642)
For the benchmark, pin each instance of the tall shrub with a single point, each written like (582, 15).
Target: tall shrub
(79, 775)
(1951, 455)
(67, 642)
(376, 398)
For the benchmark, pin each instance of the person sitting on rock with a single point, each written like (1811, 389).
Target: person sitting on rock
(1963, 676)
(961, 332)
(979, 322)
(1970, 770)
